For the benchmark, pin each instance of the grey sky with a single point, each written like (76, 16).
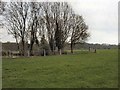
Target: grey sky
(100, 15)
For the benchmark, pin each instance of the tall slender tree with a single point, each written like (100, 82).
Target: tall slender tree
(33, 25)
(16, 16)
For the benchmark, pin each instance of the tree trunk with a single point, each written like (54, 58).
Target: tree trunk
(17, 44)
(44, 52)
(71, 48)
(23, 47)
(31, 47)
(23, 38)
(60, 52)
(28, 53)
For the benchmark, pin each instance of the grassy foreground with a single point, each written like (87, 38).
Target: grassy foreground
(81, 70)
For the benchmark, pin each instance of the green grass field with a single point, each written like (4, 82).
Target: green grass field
(81, 70)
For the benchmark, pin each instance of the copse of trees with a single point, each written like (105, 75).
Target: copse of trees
(52, 22)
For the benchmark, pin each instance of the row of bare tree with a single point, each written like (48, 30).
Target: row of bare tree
(55, 21)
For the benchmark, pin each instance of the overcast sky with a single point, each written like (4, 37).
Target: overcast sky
(100, 15)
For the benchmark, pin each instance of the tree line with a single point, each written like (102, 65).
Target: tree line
(52, 23)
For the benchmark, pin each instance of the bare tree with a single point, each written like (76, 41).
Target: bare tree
(79, 30)
(16, 18)
(61, 14)
(64, 26)
(33, 25)
(48, 17)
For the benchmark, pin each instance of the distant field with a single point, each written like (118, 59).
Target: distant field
(81, 70)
